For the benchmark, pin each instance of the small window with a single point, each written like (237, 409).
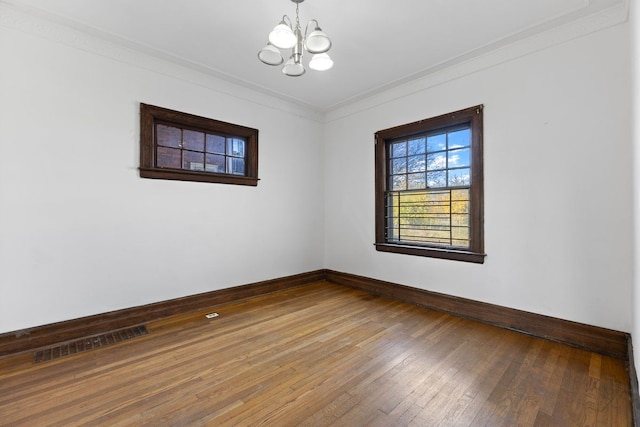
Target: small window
(180, 146)
(429, 187)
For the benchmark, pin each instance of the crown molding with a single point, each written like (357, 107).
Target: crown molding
(596, 16)
(519, 45)
(78, 36)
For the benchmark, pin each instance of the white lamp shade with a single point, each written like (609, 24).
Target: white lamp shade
(321, 62)
(270, 55)
(317, 42)
(282, 36)
(293, 69)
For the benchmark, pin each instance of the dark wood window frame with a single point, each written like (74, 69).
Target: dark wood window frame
(151, 116)
(474, 118)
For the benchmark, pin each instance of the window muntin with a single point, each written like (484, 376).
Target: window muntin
(440, 159)
(181, 146)
(429, 179)
(429, 187)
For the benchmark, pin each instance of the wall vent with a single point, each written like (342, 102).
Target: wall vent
(88, 343)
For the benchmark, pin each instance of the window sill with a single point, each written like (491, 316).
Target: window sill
(183, 175)
(452, 254)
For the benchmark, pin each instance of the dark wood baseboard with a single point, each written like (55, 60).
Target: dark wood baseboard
(592, 338)
(40, 336)
(633, 383)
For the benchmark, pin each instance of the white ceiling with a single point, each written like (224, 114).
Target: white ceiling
(376, 44)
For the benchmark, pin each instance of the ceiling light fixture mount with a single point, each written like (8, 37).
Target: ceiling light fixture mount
(285, 36)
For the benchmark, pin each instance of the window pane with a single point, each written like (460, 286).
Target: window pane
(215, 163)
(235, 147)
(416, 164)
(459, 158)
(393, 220)
(193, 161)
(460, 233)
(436, 161)
(460, 220)
(168, 158)
(399, 166)
(417, 146)
(460, 138)
(235, 166)
(399, 149)
(459, 177)
(462, 195)
(192, 140)
(417, 181)
(168, 136)
(436, 179)
(215, 144)
(437, 142)
(399, 182)
(430, 217)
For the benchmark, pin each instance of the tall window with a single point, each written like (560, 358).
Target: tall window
(181, 146)
(429, 187)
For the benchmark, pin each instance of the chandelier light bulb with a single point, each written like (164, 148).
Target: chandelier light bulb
(321, 62)
(293, 68)
(317, 42)
(270, 55)
(282, 36)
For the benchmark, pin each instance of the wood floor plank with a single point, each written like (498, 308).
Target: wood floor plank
(319, 355)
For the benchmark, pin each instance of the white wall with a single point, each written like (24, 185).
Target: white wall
(558, 181)
(635, 55)
(81, 233)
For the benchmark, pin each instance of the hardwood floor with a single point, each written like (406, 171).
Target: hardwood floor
(318, 355)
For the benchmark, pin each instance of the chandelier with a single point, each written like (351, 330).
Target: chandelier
(285, 36)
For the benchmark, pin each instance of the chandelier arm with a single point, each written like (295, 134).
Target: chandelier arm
(306, 29)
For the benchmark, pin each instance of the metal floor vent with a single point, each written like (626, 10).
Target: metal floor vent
(89, 343)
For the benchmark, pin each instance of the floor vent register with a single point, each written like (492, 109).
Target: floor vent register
(89, 343)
